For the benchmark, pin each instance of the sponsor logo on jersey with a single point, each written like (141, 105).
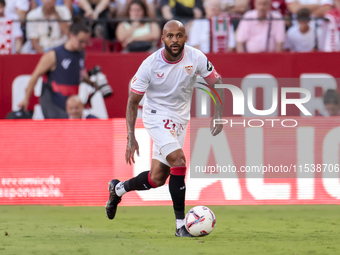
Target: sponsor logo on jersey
(65, 63)
(209, 66)
(134, 79)
(189, 69)
(160, 75)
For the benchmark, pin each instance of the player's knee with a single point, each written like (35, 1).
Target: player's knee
(159, 179)
(176, 159)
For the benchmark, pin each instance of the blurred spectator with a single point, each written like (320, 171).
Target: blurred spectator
(75, 8)
(67, 3)
(276, 5)
(122, 6)
(217, 29)
(263, 32)
(186, 9)
(63, 69)
(137, 34)
(235, 6)
(96, 10)
(331, 102)
(332, 37)
(17, 8)
(16, 33)
(302, 38)
(44, 35)
(75, 109)
(318, 8)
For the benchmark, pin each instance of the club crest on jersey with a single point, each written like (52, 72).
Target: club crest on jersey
(65, 63)
(173, 133)
(160, 75)
(189, 69)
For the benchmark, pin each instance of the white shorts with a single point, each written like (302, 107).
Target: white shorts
(167, 136)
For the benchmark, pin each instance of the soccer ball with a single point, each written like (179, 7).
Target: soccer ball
(200, 221)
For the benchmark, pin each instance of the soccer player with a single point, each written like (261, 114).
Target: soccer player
(167, 78)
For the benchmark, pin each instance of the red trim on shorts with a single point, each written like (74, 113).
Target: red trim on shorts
(175, 62)
(180, 170)
(151, 182)
(137, 92)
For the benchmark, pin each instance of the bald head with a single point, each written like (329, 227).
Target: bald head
(174, 38)
(173, 25)
(74, 107)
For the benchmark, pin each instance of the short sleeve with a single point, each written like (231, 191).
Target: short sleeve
(140, 82)
(206, 69)
(64, 12)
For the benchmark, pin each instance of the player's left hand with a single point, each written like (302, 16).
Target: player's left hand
(215, 130)
(131, 148)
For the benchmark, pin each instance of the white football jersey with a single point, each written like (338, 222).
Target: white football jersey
(168, 86)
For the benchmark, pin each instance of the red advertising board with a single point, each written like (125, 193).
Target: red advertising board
(61, 162)
(120, 68)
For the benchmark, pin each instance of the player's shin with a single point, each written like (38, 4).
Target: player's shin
(140, 182)
(177, 191)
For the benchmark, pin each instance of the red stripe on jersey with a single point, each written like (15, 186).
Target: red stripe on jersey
(137, 92)
(45, 78)
(65, 90)
(175, 62)
(212, 78)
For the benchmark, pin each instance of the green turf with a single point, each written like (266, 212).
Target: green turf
(304, 229)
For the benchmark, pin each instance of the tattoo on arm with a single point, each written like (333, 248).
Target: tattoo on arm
(131, 113)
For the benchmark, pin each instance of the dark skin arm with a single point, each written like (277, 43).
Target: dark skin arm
(217, 111)
(131, 116)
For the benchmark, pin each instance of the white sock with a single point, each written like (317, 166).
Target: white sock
(179, 223)
(120, 190)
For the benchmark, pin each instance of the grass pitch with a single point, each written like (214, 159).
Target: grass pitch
(302, 229)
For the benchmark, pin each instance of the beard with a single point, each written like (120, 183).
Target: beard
(175, 55)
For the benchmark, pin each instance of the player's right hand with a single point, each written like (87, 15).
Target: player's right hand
(131, 147)
(24, 104)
